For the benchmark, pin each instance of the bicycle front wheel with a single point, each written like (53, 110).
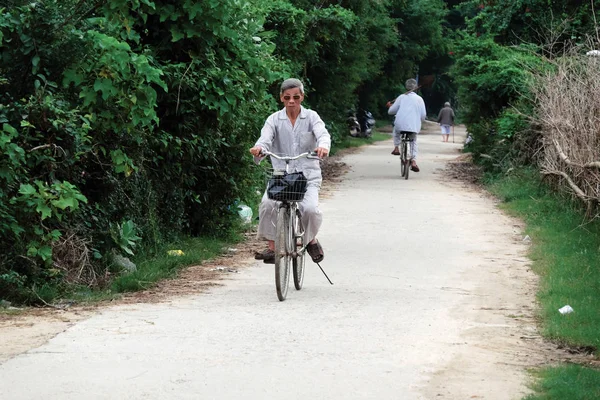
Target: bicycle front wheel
(299, 259)
(282, 254)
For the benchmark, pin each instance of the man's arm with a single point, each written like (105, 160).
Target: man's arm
(395, 107)
(423, 111)
(321, 134)
(267, 133)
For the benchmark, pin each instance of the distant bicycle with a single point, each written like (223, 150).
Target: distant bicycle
(288, 189)
(405, 151)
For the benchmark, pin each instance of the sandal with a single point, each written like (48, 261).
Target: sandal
(414, 167)
(268, 256)
(315, 251)
(396, 152)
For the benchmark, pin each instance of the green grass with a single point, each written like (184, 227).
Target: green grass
(380, 123)
(152, 268)
(348, 141)
(571, 382)
(10, 311)
(565, 251)
(566, 255)
(162, 266)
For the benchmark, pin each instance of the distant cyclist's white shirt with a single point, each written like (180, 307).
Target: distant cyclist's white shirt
(280, 137)
(410, 112)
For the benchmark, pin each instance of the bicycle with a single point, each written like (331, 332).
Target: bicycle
(405, 159)
(289, 239)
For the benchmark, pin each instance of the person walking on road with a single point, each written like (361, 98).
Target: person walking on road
(446, 121)
(409, 111)
(292, 131)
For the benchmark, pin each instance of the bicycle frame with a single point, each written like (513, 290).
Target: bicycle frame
(287, 242)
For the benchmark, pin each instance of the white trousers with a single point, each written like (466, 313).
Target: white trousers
(309, 209)
(414, 149)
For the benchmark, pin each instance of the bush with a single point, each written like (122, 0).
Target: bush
(125, 124)
(568, 103)
(494, 90)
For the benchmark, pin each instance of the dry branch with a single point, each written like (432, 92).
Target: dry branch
(572, 184)
(568, 105)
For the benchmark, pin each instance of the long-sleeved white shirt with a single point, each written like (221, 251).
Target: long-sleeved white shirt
(410, 112)
(280, 137)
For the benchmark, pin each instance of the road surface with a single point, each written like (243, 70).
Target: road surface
(432, 299)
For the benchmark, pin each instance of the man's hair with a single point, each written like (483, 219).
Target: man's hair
(411, 84)
(446, 104)
(291, 84)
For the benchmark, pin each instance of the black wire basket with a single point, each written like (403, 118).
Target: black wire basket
(282, 186)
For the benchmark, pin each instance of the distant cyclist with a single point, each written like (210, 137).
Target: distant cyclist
(409, 109)
(291, 131)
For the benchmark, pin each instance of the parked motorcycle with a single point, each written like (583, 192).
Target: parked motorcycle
(362, 126)
(353, 124)
(367, 123)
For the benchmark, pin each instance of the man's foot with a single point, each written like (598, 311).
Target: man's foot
(396, 152)
(315, 251)
(268, 256)
(414, 166)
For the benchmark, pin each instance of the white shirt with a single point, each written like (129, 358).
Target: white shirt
(410, 111)
(280, 137)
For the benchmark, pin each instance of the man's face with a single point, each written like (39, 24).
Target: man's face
(292, 98)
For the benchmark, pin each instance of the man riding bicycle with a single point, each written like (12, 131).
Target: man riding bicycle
(409, 109)
(292, 131)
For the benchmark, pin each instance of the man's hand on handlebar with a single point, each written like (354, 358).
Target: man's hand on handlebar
(321, 152)
(256, 151)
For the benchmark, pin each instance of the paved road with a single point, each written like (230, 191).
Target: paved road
(428, 278)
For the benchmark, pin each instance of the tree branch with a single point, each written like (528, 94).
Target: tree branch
(580, 193)
(567, 160)
(180, 82)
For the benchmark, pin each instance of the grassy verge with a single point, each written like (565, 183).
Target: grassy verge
(348, 141)
(163, 265)
(566, 255)
(567, 383)
(152, 268)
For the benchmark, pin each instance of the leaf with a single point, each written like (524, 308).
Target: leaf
(176, 34)
(64, 203)
(44, 210)
(71, 76)
(45, 253)
(27, 190)
(35, 60)
(9, 129)
(16, 229)
(32, 251)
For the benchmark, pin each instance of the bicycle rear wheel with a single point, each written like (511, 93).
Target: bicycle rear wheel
(405, 160)
(282, 255)
(299, 260)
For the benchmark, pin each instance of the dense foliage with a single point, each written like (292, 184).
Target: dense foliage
(499, 50)
(124, 124)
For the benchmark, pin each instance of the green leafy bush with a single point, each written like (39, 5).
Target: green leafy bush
(125, 124)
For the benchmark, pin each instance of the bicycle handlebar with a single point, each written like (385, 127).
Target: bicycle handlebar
(310, 156)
